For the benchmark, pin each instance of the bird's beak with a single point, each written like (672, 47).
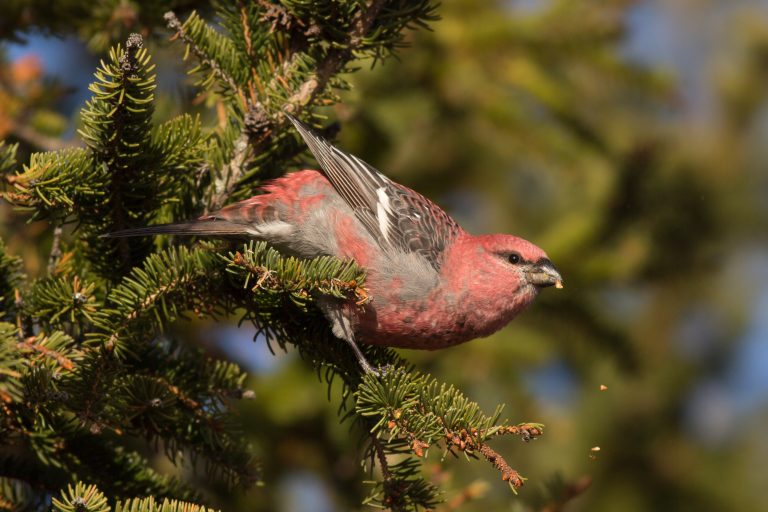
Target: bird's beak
(543, 273)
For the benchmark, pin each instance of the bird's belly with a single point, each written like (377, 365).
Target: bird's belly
(428, 326)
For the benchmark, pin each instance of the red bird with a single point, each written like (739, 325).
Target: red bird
(433, 284)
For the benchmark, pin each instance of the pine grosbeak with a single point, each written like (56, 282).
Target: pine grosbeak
(433, 284)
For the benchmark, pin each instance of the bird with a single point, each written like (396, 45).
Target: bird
(433, 285)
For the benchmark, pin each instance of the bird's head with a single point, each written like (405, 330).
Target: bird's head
(515, 255)
(505, 262)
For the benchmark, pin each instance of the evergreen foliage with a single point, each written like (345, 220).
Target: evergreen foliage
(7, 157)
(93, 375)
(625, 138)
(82, 498)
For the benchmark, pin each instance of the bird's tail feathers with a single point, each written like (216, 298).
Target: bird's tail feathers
(205, 227)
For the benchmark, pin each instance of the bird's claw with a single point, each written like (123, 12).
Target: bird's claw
(379, 371)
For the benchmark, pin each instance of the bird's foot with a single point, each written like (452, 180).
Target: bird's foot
(379, 371)
(367, 367)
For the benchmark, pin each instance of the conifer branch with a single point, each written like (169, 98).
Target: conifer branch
(168, 282)
(23, 322)
(39, 345)
(336, 59)
(382, 458)
(11, 278)
(257, 126)
(55, 254)
(266, 278)
(278, 16)
(129, 67)
(225, 183)
(173, 22)
(7, 157)
(413, 413)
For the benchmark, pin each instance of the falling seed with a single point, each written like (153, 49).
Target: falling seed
(595, 449)
(603, 387)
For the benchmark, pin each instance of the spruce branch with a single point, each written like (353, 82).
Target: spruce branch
(257, 118)
(81, 498)
(11, 278)
(413, 413)
(57, 184)
(57, 350)
(168, 284)
(381, 456)
(88, 498)
(55, 253)
(152, 505)
(203, 55)
(226, 180)
(118, 132)
(336, 58)
(11, 367)
(267, 270)
(7, 157)
(259, 104)
(278, 16)
(129, 65)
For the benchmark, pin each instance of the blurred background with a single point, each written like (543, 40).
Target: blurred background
(627, 138)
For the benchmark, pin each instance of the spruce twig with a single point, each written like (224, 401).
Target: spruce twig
(173, 22)
(227, 179)
(53, 258)
(257, 126)
(336, 59)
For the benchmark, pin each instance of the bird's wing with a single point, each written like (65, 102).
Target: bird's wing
(396, 216)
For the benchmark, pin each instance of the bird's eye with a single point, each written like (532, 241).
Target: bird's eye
(514, 258)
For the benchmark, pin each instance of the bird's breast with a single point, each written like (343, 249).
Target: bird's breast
(436, 320)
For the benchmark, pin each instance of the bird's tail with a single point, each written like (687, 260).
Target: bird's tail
(200, 227)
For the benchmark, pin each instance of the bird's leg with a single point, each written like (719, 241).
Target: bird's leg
(342, 328)
(367, 368)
